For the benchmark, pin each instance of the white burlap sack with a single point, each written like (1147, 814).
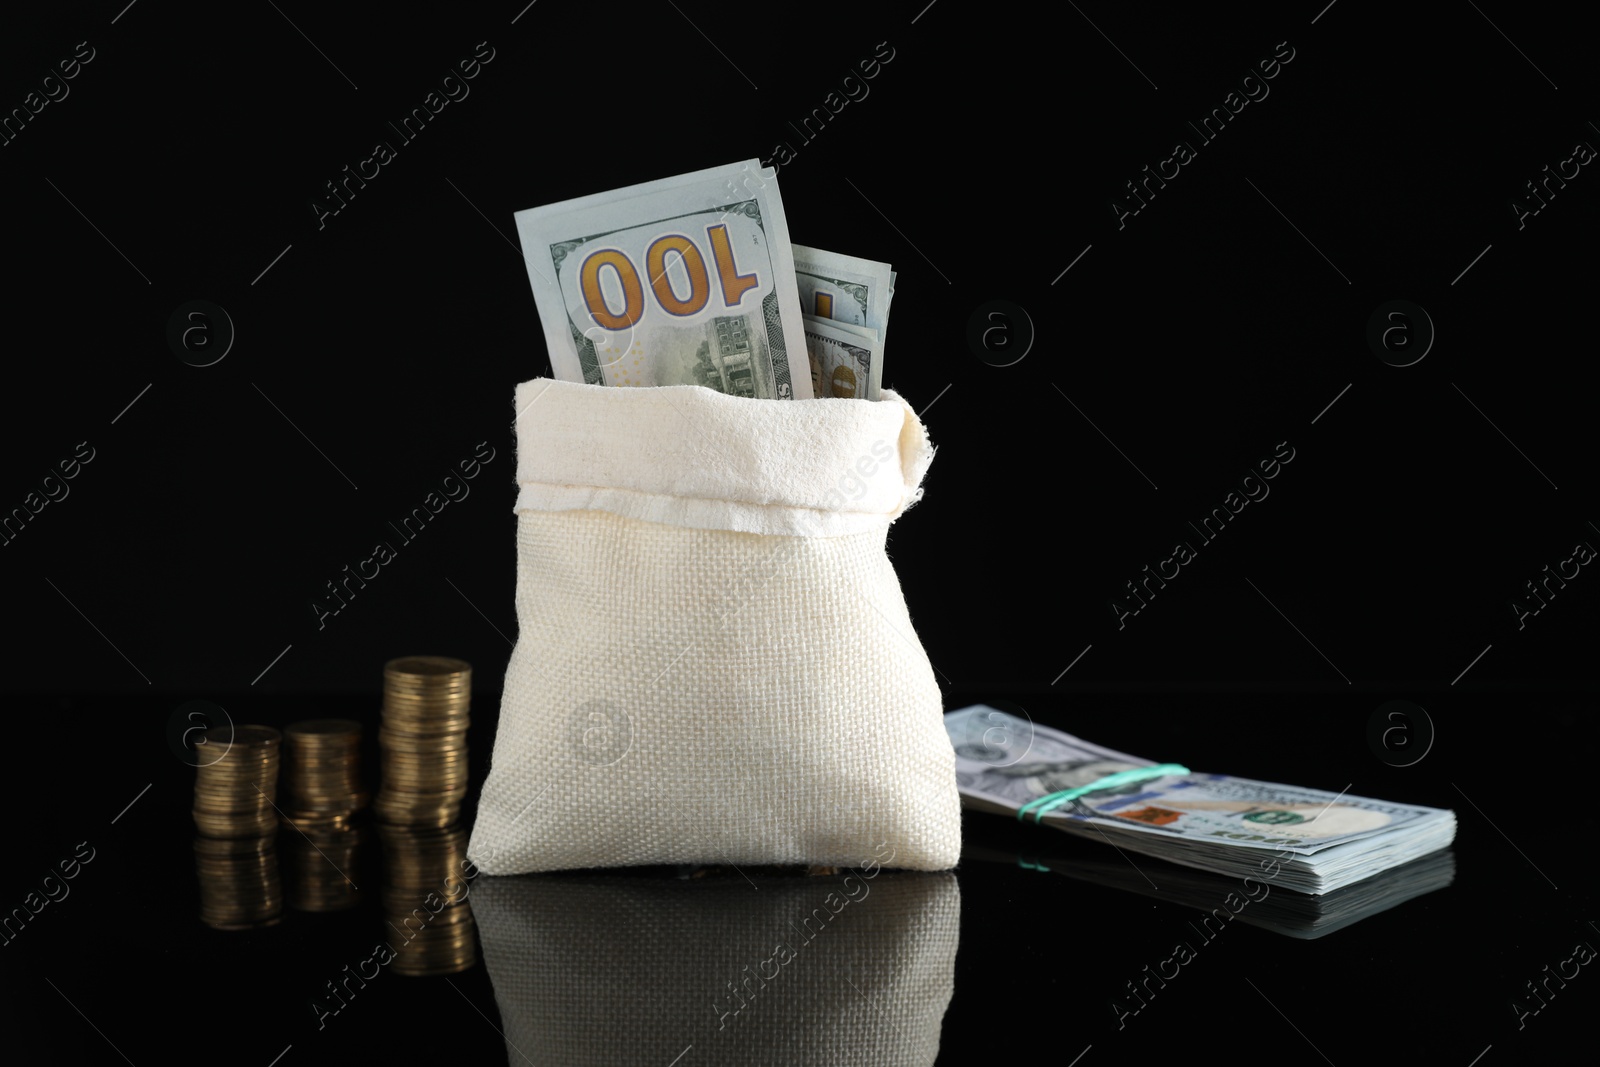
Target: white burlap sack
(714, 663)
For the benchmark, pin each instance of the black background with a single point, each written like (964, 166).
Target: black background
(374, 352)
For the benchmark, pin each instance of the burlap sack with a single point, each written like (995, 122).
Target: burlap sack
(714, 661)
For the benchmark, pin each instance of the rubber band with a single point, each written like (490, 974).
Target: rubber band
(1050, 801)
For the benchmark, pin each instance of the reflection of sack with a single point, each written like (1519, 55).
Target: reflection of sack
(715, 663)
(631, 970)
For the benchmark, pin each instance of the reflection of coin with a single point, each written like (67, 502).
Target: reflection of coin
(424, 902)
(239, 882)
(600, 733)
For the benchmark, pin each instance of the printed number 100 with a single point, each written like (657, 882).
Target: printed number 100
(734, 284)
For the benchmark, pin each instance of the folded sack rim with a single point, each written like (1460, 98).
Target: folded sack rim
(751, 466)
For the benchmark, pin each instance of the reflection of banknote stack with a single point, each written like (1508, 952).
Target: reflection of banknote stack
(1309, 840)
(425, 900)
(852, 968)
(321, 772)
(423, 740)
(318, 863)
(233, 794)
(1291, 914)
(239, 885)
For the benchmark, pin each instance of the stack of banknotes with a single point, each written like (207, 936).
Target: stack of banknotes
(1306, 840)
(692, 280)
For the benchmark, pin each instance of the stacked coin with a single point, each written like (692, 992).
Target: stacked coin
(239, 886)
(321, 772)
(319, 863)
(423, 740)
(233, 794)
(425, 900)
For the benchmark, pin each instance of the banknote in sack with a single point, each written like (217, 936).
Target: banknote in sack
(845, 304)
(688, 280)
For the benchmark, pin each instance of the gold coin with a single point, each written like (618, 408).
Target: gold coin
(247, 736)
(426, 667)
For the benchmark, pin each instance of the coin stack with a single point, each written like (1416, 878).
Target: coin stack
(239, 885)
(321, 773)
(318, 864)
(233, 794)
(425, 900)
(423, 740)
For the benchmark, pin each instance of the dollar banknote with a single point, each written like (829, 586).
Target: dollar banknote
(686, 280)
(1316, 841)
(851, 292)
(846, 360)
(844, 288)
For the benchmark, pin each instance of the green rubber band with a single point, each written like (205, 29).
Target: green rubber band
(1050, 801)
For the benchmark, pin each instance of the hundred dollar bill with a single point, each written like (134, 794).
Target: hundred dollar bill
(846, 360)
(848, 290)
(681, 281)
(1313, 840)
